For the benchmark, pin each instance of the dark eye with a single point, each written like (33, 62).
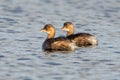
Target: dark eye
(46, 29)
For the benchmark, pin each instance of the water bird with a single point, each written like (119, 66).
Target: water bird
(55, 44)
(80, 39)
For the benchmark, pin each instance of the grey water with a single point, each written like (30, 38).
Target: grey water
(21, 54)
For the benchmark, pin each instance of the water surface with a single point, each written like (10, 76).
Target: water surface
(21, 55)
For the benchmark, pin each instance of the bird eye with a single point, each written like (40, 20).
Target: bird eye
(46, 29)
(66, 26)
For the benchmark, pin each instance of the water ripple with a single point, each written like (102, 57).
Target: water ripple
(118, 52)
(53, 63)
(28, 79)
(24, 59)
(85, 60)
(1, 26)
(15, 10)
(3, 39)
(76, 62)
(1, 56)
(13, 31)
(7, 19)
(105, 60)
(22, 40)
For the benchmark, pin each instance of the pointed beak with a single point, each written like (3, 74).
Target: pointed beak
(42, 30)
(64, 29)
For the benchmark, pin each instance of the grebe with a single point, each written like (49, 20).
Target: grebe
(55, 44)
(80, 39)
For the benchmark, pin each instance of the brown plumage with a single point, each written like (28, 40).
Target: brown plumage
(55, 44)
(80, 39)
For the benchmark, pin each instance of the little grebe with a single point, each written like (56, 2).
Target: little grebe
(55, 44)
(80, 39)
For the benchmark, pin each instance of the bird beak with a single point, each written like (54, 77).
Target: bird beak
(42, 30)
(64, 29)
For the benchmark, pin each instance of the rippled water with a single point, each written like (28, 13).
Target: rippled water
(21, 56)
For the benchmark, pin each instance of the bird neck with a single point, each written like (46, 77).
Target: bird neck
(51, 34)
(71, 31)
